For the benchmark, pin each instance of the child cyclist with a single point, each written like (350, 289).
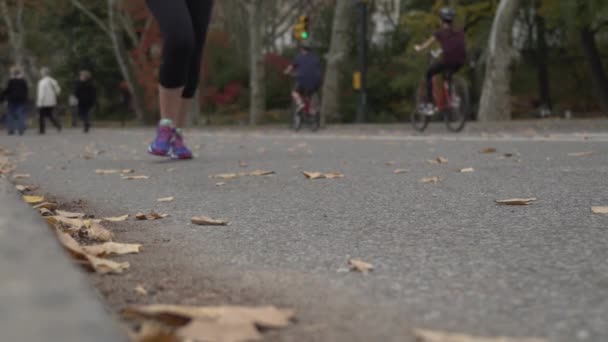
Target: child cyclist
(454, 56)
(184, 25)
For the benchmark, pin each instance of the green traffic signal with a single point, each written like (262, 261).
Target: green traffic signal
(304, 35)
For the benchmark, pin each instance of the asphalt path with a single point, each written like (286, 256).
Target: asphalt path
(446, 256)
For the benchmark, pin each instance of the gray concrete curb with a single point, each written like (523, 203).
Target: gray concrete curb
(43, 296)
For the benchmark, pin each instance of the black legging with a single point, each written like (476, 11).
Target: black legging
(438, 68)
(184, 25)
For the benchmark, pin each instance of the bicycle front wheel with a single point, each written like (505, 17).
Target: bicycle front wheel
(419, 119)
(458, 109)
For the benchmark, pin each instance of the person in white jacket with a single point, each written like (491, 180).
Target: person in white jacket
(48, 91)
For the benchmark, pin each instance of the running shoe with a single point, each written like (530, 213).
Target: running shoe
(178, 147)
(162, 144)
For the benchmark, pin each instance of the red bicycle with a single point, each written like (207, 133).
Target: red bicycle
(451, 101)
(310, 113)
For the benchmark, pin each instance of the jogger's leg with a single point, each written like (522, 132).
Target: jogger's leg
(53, 119)
(21, 119)
(432, 71)
(42, 112)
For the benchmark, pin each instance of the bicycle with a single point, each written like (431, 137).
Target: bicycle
(451, 97)
(310, 112)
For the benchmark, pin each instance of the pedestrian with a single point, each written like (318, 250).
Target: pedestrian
(16, 94)
(86, 94)
(48, 91)
(184, 25)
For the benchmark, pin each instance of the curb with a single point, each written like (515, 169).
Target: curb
(43, 296)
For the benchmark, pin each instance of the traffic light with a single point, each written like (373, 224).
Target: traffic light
(300, 29)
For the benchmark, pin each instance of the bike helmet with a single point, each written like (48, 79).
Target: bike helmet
(447, 14)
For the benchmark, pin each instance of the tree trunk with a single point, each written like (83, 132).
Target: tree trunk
(594, 63)
(16, 33)
(337, 52)
(122, 60)
(542, 63)
(496, 96)
(257, 106)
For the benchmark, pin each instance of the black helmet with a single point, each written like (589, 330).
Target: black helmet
(447, 14)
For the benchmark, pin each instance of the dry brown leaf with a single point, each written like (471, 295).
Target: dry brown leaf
(25, 188)
(96, 231)
(467, 170)
(112, 248)
(127, 171)
(205, 330)
(91, 262)
(153, 332)
(208, 221)
(390, 163)
(259, 173)
(319, 175)
(432, 161)
(225, 176)
(516, 201)
(437, 336)
(45, 212)
(433, 180)
(69, 214)
(400, 171)
(151, 216)
(600, 210)
(46, 205)
(106, 172)
(442, 160)
(140, 289)
(243, 163)
(91, 228)
(21, 175)
(117, 218)
(165, 199)
(33, 199)
(220, 183)
(333, 175)
(171, 169)
(176, 315)
(488, 150)
(135, 177)
(580, 154)
(360, 266)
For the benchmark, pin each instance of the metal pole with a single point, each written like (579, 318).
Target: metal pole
(361, 113)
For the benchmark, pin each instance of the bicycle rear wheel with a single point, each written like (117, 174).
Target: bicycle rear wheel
(419, 120)
(458, 109)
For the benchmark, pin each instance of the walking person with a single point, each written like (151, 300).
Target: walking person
(86, 94)
(184, 25)
(16, 94)
(48, 91)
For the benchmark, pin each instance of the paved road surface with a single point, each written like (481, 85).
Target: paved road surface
(446, 256)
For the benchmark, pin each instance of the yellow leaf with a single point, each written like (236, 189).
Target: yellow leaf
(106, 172)
(117, 218)
(360, 266)
(112, 248)
(46, 205)
(33, 199)
(69, 214)
(600, 210)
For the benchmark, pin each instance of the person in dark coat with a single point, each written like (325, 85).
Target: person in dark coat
(86, 94)
(16, 94)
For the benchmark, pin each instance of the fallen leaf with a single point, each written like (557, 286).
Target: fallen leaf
(360, 266)
(319, 175)
(399, 171)
(433, 180)
(171, 170)
(467, 170)
(153, 332)
(25, 188)
(106, 172)
(600, 210)
(112, 248)
(117, 218)
(390, 163)
(96, 231)
(580, 154)
(516, 201)
(437, 336)
(141, 290)
(91, 228)
(432, 161)
(151, 216)
(220, 183)
(45, 212)
(127, 171)
(134, 177)
(488, 150)
(259, 173)
(21, 175)
(176, 315)
(225, 176)
(208, 221)
(442, 160)
(204, 330)
(46, 205)
(165, 199)
(33, 199)
(243, 164)
(69, 214)
(91, 262)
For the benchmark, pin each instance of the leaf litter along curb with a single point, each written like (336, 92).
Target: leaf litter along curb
(150, 217)
(112, 248)
(33, 199)
(517, 201)
(423, 335)
(93, 263)
(69, 214)
(208, 221)
(117, 218)
(360, 266)
(320, 175)
(26, 188)
(81, 227)
(198, 323)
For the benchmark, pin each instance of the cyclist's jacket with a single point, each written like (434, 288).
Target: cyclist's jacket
(453, 45)
(308, 71)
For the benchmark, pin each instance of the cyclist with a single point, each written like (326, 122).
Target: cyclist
(307, 67)
(452, 41)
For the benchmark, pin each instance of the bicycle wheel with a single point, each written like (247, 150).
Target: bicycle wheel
(419, 120)
(457, 113)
